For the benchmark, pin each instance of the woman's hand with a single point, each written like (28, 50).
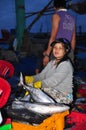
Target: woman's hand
(37, 84)
(29, 79)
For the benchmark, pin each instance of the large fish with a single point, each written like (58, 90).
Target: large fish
(37, 94)
(25, 98)
(40, 108)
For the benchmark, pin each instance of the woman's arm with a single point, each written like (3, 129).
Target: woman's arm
(42, 75)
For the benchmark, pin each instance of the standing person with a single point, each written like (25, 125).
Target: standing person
(63, 25)
(56, 79)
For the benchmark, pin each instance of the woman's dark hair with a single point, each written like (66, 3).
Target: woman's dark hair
(60, 3)
(65, 58)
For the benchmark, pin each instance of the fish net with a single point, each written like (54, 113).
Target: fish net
(54, 122)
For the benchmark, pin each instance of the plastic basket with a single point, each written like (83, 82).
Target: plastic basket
(6, 69)
(55, 122)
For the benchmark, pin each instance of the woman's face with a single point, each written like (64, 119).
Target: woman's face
(59, 51)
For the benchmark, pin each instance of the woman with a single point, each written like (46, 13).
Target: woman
(57, 77)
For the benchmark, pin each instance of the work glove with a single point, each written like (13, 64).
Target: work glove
(29, 79)
(26, 93)
(37, 84)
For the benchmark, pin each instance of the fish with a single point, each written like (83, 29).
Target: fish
(40, 108)
(37, 94)
(25, 98)
(80, 101)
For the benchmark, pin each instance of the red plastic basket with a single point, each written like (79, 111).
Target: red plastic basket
(6, 89)
(6, 69)
(82, 91)
(76, 117)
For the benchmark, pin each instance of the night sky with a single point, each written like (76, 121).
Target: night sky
(8, 16)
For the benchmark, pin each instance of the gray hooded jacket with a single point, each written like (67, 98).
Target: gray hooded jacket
(58, 78)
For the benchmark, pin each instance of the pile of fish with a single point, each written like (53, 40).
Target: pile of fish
(36, 104)
(41, 108)
(43, 103)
